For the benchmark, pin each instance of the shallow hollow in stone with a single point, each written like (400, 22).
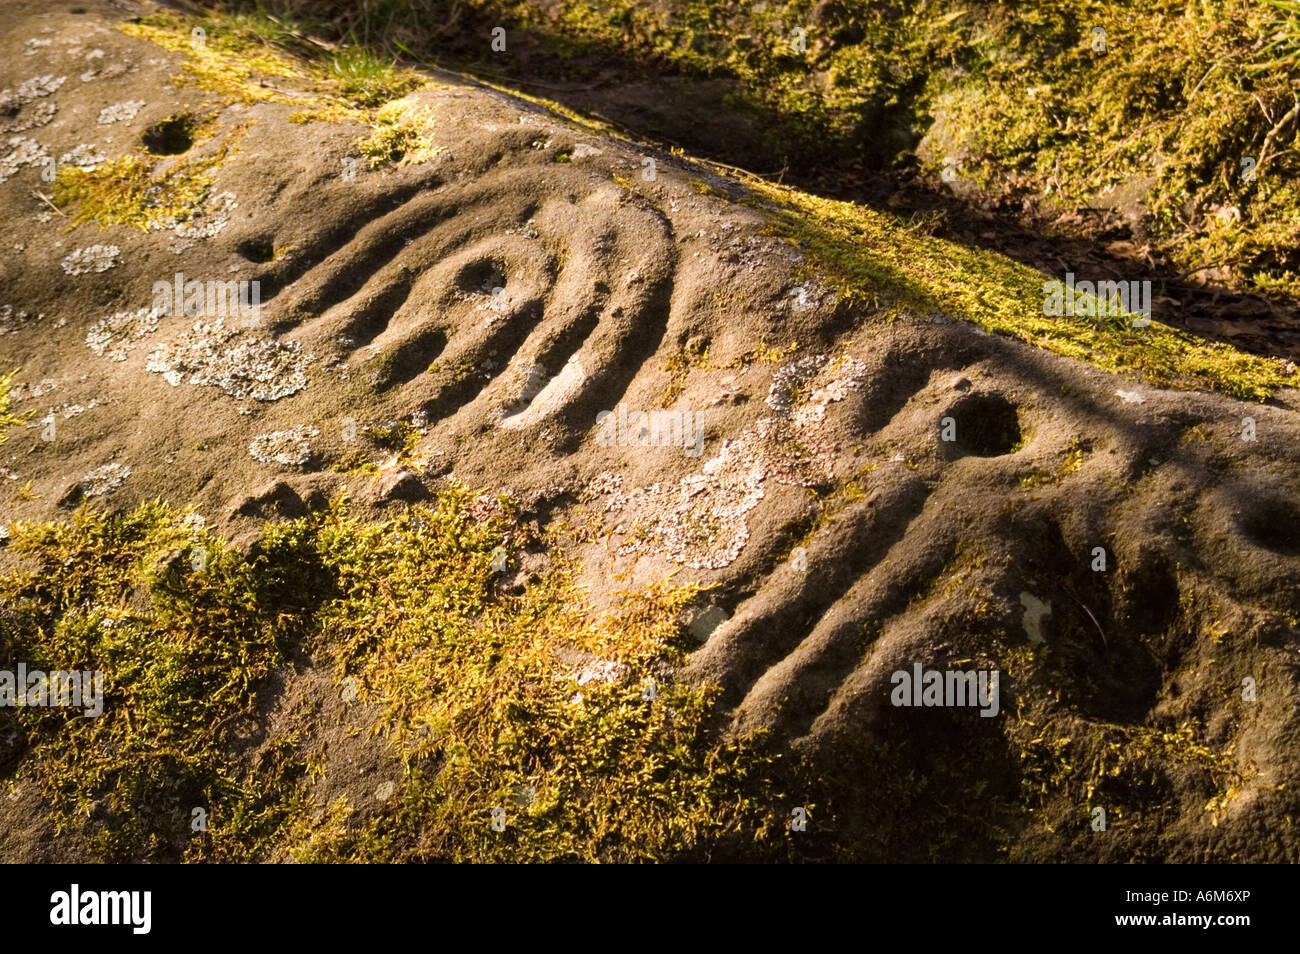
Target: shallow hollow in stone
(170, 136)
(1274, 524)
(982, 425)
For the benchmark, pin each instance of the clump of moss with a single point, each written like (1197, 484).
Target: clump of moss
(8, 420)
(397, 437)
(358, 462)
(180, 674)
(1142, 775)
(487, 697)
(401, 135)
(1124, 769)
(1180, 112)
(330, 113)
(763, 353)
(1074, 458)
(221, 58)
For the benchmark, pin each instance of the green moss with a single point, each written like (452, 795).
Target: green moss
(8, 420)
(694, 354)
(763, 353)
(124, 192)
(180, 673)
(358, 462)
(402, 135)
(1167, 115)
(474, 691)
(223, 60)
(332, 113)
(586, 123)
(396, 437)
(1121, 768)
(873, 258)
(476, 688)
(1074, 458)
(127, 191)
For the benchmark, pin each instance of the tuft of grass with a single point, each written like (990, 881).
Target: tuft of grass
(368, 79)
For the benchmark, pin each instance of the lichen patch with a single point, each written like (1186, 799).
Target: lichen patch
(290, 448)
(115, 336)
(240, 363)
(94, 258)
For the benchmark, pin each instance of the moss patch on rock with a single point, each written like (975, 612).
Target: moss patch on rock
(868, 253)
(566, 721)
(125, 191)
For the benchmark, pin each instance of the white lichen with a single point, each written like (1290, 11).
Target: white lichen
(11, 321)
(25, 391)
(702, 520)
(207, 223)
(38, 86)
(114, 337)
(84, 156)
(289, 448)
(120, 112)
(95, 258)
(241, 364)
(24, 152)
(103, 480)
